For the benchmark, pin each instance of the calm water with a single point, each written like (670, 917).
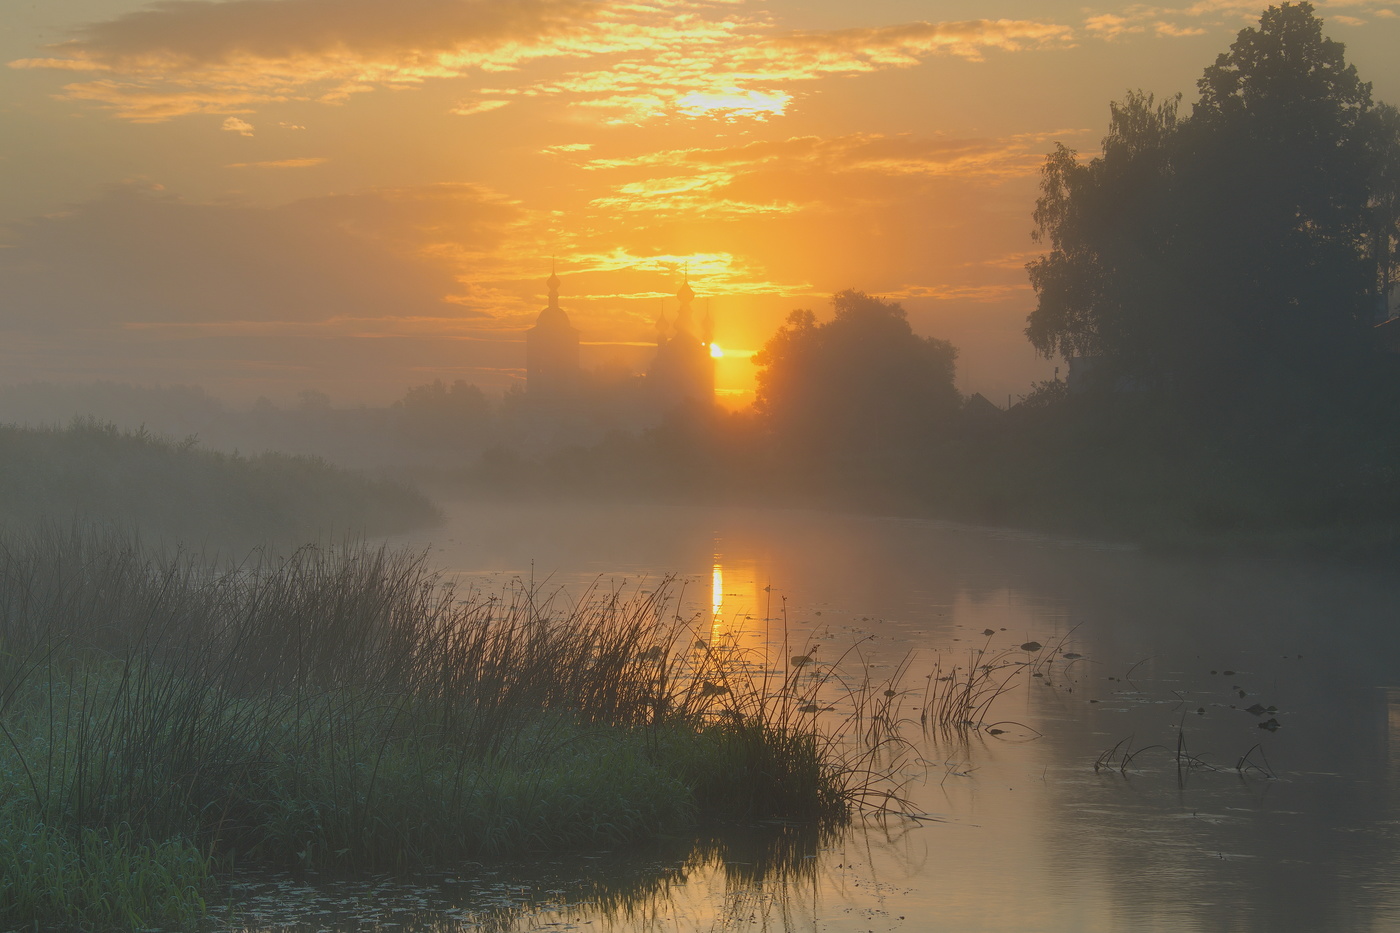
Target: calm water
(1014, 831)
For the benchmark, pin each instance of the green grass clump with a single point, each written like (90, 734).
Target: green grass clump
(97, 878)
(345, 708)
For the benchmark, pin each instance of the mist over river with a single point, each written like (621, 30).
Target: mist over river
(1201, 814)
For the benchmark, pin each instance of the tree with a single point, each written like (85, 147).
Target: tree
(862, 386)
(1107, 281)
(1237, 247)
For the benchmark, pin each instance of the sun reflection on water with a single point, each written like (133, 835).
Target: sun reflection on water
(716, 597)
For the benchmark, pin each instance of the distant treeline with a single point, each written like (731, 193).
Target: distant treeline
(176, 491)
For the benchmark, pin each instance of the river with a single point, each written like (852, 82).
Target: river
(1009, 828)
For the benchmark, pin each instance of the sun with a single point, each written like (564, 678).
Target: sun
(716, 350)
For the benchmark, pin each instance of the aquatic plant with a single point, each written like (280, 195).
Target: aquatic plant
(346, 707)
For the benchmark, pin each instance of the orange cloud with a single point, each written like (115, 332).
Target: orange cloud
(642, 59)
(1175, 22)
(864, 49)
(282, 163)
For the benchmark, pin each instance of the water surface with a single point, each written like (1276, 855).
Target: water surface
(1013, 831)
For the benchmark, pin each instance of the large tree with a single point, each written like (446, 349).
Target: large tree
(859, 387)
(1246, 245)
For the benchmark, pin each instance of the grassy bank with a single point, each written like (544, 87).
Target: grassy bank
(163, 721)
(178, 491)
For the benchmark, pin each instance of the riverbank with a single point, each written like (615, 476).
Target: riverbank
(167, 721)
(1127, 470)
(178, 492)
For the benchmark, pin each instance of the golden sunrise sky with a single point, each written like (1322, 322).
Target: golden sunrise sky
(265, 196)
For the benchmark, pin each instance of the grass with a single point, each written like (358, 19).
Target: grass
(164, 720)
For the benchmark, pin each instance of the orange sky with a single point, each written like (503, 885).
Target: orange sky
(265, 196)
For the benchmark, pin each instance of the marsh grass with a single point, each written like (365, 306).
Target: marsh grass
(345, 708)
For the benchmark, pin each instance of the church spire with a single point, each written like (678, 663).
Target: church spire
(683, 316)
(553, 283)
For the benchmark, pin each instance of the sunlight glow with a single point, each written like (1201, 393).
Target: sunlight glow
(733, 102)
(716, 350)
(717, 596)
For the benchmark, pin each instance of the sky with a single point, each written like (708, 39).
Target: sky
(356, 196)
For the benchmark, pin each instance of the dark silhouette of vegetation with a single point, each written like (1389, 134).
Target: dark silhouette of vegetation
(854, 393)
(179, 491)
(1237, 257)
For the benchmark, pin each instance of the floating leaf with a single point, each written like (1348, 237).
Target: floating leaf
(1073, 655)
(801, 659)
(711, 689)
(995, 731)
(1271, 724)
(1229, 673)
(1257, 710)
(1032, 646)
(890, 693)
(988, 632)
(809, 708)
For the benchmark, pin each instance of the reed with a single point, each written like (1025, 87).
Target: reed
(346, 707)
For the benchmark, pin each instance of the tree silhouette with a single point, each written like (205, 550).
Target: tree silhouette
(860, 388)
(1243, 251)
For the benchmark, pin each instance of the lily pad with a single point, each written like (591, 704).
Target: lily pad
(1032, 646)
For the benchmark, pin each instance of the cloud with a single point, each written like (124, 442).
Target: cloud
(1111, 26)
(641, 59)
(876, 154)
(241, 127)
(466, 109)
(863, 49)
(134, 257)
(1197, 18)
(809, 215)
(282, 163)
(193, 35)
(189, 56)
(737, 68)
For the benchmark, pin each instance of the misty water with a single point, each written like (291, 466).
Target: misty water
(1010, 831)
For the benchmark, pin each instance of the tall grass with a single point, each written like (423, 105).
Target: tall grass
(345, 707)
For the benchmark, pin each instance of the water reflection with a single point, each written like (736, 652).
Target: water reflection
(1014, 831)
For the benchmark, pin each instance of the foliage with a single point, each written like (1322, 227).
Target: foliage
(182, 492)
(1233, 254)
(345, 708)
(860, 387)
